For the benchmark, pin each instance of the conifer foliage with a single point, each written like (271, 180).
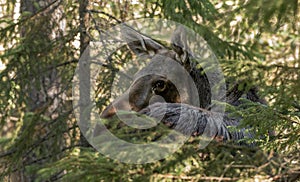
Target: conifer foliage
(257, 43)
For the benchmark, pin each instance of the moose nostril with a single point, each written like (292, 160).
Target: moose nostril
(108, 112)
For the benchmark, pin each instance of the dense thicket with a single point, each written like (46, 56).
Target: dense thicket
(256, 42)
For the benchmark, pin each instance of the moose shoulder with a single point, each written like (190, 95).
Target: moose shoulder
(172, 84)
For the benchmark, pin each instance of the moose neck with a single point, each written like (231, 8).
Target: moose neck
(202, 84)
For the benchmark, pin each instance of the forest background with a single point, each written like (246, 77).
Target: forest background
(256, 42)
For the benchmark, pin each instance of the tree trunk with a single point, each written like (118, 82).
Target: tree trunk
(44, 88)
(84, 72)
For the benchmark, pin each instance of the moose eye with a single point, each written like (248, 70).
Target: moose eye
(159, 86)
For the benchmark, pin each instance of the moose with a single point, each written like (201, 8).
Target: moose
(154, 93)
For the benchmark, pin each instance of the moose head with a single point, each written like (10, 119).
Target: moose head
(174, 90)
(170, 75)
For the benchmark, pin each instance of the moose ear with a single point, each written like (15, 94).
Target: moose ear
(140, 44)
(180, 45)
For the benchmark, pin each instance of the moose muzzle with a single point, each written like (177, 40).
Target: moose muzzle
(120, 103)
